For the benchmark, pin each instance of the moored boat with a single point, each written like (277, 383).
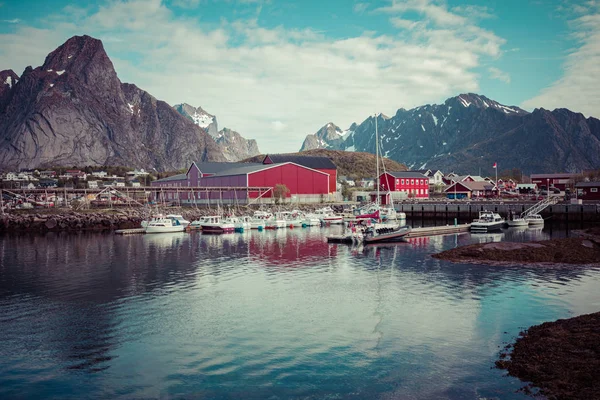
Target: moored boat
(385, 232)
(179, 217)
(487, 221)
(163, 225)
(215, 224)
(535, 219)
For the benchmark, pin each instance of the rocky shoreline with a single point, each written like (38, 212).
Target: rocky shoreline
(581, 250)
(561, 358)
(57, 220)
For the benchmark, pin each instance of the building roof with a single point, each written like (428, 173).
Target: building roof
(178, 177)
(549, 176)
(476, 178)
(406, 174)
(244, 168)
(587, 184)
(314, 162)
(472, 186)
(218, 167)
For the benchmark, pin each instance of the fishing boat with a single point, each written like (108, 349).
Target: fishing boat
(258, 220)
(311, 220)
(179, 218)
(535, 219)
(383, 233)
(197, 224)
(163, 225)
(215, 224)
(487, 221)
(292, 218)
(515, 221)
(328, 217)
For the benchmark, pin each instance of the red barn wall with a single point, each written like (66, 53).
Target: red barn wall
(299, 180)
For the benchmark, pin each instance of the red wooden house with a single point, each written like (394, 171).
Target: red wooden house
(414, 184)
(588, 190)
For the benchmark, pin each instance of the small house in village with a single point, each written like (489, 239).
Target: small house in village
(588, 190)
(471, 189)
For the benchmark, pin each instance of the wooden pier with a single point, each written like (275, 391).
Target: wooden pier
(438, 230)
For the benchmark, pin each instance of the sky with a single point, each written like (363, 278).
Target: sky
(277, 70)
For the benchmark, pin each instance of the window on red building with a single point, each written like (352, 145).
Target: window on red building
(412, 181)
(403, 181)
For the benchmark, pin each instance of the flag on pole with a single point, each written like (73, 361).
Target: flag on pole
(495, 165)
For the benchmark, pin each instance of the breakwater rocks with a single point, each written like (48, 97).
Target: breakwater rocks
(69, 221)
(55, 220)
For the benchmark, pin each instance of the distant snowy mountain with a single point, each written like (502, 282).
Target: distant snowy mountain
(232, 144)
(329, 136)
(470, 131)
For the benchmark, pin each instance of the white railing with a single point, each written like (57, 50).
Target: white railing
(536, 208)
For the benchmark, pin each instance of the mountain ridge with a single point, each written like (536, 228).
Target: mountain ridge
(469, 132)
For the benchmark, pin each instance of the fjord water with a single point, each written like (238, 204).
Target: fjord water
(267, 315)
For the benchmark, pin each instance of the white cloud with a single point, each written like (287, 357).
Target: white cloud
(278, 126)
(578, 87)
(498, 74)
(12, 21)
(404, 23)
(275, 85)
(360, 8)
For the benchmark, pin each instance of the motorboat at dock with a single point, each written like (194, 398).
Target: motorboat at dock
(163, 225)
(487, 221)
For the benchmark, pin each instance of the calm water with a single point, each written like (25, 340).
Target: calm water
(272, 315)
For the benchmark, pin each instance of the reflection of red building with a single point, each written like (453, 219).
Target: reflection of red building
(287, 248)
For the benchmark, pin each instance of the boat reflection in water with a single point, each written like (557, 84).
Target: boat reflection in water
(279, 314)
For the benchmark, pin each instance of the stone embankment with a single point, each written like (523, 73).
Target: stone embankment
(54, 220)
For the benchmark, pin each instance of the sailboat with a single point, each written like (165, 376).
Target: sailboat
(383, 231)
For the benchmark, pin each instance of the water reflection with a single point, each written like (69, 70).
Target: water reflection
(261, 314)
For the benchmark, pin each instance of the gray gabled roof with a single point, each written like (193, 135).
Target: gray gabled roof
(406, 174)
(178, 177)
(587, 184)
(244, 168)
(218, 167)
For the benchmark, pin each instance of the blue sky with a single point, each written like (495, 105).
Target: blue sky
(278, 70)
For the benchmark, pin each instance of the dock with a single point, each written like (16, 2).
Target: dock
(132, 231)
(438, 230)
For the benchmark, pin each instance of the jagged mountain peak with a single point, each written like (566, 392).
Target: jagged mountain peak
(199, 116)
(480, 101)
(77, 54)
(8, 78)
(73, 110)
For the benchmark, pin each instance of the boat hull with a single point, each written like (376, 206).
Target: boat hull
(516, 223)
(486, 226)
(393, 236)
(217, 229)
(164, 229)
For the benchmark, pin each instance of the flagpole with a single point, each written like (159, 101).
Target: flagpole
(497, 188)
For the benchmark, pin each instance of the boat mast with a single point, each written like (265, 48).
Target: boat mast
(377, 159)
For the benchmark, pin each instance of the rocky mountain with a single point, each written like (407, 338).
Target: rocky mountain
(233, 146)
(470, 132)
(74, 110)
(329, 136)
(199, 117)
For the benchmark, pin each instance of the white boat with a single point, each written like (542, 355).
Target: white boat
(258, 220)
(275, 223)
(327, 216)
(292, 218)
(487, 221)
(516, 222)
(179, 218)
(197, 224)
(535, 219)
(386, 232)
(311, 220)
(215, 224)
(163, 225)
(240, 224)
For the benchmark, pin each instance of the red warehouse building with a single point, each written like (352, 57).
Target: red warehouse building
(322, 164)
(414, 184)
(305, 184)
